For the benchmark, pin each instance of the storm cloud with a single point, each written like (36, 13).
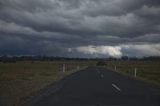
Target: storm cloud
(80, 28)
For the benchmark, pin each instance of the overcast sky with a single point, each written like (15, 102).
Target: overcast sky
(80, 28)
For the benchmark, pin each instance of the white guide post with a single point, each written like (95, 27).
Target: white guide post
(63, 67)
(115, 68)
(135, 72)
(77, 67)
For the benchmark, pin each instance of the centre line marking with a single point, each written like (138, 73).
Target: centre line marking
(116, 87)
(102, 75)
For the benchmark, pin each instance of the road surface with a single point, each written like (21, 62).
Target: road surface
(97, 86)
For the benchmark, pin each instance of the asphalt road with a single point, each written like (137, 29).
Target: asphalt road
(97, 86)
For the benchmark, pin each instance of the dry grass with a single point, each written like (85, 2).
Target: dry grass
(147, 70)
(19, 80)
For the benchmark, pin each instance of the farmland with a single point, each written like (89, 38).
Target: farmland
(21, 79)
(148, 71)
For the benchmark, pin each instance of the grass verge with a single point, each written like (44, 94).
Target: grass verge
(20, 80)
(147, 71)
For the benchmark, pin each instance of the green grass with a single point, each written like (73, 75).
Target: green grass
(20, 80)
(147, 70)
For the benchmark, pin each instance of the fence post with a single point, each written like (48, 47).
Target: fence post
(135, 72)
(63, 67)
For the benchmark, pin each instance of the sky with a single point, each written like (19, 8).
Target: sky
(80, 28)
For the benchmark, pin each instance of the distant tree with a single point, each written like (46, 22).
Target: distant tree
(100, 63)
(124, 58)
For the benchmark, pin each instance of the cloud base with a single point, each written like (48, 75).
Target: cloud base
(89, 27)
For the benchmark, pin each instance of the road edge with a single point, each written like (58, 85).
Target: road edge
(46, 91)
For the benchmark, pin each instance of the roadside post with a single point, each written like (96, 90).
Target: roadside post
(63, 67)
(115, 68)
(77, 67)
(135, 72)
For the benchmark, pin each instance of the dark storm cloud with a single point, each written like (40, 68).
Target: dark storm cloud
(52, 26)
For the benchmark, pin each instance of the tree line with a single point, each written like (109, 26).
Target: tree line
(14, 59)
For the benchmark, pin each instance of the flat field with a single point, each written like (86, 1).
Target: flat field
(148, 71)
(21, 79)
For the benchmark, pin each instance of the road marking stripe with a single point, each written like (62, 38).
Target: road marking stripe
(116, 87)
(102, 75)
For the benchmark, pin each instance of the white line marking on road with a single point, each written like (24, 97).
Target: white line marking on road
(116, 87)
(102, 75)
